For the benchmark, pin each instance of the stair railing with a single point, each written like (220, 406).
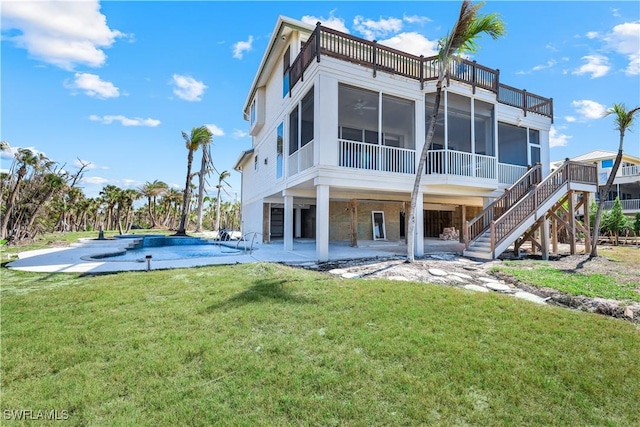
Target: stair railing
(570, 171)
(481, 222)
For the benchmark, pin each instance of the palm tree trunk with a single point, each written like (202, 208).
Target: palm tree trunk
(603, 193)
(419, 170)
(10, 202)
(201, 174)
(185, 197)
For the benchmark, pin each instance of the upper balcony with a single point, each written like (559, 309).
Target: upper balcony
(370, 54)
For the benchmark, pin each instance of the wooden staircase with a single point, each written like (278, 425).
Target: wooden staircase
(524, 206)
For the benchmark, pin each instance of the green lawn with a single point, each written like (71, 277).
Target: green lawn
(265, 344)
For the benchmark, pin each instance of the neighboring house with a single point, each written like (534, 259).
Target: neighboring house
(626, 184)
(339, 122)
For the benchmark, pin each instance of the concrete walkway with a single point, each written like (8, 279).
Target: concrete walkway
(77, 257)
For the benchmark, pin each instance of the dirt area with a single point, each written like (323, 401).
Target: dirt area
(454, 270)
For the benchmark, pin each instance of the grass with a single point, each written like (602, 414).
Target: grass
(590, 285)
(612, 285)
(265, 344)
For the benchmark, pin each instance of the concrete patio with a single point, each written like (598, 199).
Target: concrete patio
(77, 257)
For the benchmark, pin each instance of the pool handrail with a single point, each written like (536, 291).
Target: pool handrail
(244, 238)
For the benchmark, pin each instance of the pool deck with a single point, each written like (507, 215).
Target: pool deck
(76, 258)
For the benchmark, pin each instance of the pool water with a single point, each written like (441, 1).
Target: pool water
(165, 253)
(162, 248)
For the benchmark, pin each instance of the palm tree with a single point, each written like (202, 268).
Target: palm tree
(24, 158)
(623, 121)
(199, 136)
(221, 180)
(110, 195)
(206, 167)
(151, 190)
(462, 39)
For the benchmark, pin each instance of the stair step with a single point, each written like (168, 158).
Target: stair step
(477, 254)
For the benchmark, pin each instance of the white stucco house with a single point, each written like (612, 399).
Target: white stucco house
(626, 184)
(337, 120)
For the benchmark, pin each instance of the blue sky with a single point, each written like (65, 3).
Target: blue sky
(115, 83)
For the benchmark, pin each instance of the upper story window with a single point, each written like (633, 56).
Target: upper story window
(279, 150)
(286, 67)
(301, 123)
(534, 144)
(253, 116)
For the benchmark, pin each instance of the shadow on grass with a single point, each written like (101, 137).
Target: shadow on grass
(263, 291)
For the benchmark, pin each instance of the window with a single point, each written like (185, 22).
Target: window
(398, 122)
(293, 131)
(534, 143)
(512, 144)
(301, 123)
(607, 163)
(255, 163)
(438, 137)
(306, 119)
(279, 150)
(253, 113)
(357, 114)
(483, 126)
(459, 122)
(286, 69)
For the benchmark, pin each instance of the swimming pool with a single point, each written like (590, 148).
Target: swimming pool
(166, 248)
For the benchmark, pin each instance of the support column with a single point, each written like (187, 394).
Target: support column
(419, 248)
(587, 222)
(288, 223)
(544, 239)
(572, 223)
(463, 226)
(322, 222)
(554, 235)
(298, 223)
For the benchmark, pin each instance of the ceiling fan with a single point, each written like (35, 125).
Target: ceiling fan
(362, 105)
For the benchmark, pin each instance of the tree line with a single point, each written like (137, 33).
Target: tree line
(39, 195)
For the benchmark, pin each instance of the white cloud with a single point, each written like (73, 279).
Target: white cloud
(215, 130)
(188, 88)
(557, 139)
(415, 19)
(596, 65)
(131, 183)
(589, 110)
(237, 134)
(93, 86)
(371, 29)
(625, 40)
(412, 42)
(94, 180)
(239, 48)
(62, 33)
(124, 121)
(592, 35)
(550, 63)
(570, 119)
(330, 22)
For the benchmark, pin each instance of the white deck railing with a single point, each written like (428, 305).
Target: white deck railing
(361, 155)
(630, 170)
(627, 205)
(459, 163)
(300, 160)
(508, 174)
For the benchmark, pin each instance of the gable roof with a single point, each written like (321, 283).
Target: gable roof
(284, 27)
(243, 157)
(596, 155)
